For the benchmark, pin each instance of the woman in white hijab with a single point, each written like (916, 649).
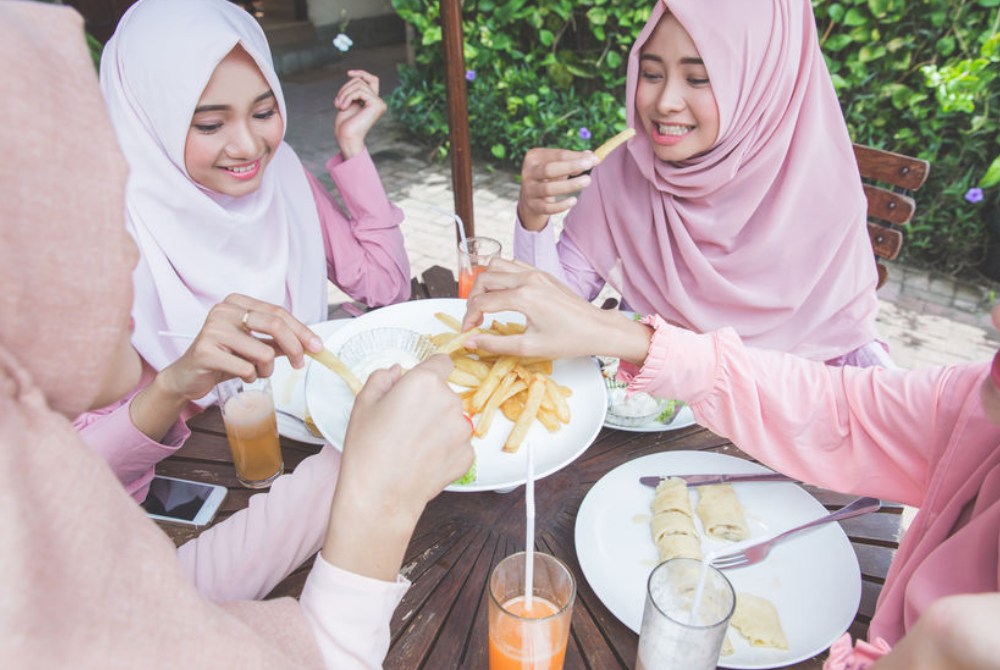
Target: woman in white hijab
(234, 234)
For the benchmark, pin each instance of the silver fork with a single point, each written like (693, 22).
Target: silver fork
(756, 552)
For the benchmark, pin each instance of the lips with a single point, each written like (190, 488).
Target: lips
(669, 134)
(243, 171)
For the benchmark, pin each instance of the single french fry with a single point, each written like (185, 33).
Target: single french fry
(566, 391)
(512, 408)
(456, 343)
(499, 370)
(602, 151)
(486, 416)
(523, 423)
(449, 320)
(470, 365)
(442, 339)
(330, 360)
(549, 420)
(561, 406)
(463, 378)
(544, 367)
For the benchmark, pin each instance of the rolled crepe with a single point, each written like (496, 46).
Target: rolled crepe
(757, 620)
(672, 523)
(721, 513)
(672, 496)
(679, 546)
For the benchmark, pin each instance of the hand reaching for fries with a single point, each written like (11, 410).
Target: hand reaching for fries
(547, 176)
(519, 387)
(559, 322)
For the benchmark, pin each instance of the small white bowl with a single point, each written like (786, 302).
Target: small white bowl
(631, 420)
(379, 341)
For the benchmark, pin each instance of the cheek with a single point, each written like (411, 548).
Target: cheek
(708, 113)
(198, 153)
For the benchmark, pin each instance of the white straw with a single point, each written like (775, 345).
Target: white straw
(170, 333)
(458, 221)
(529, 505)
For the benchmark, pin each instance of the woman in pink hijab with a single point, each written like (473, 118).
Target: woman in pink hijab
(928, 438)
(738, 201)
(88, 581)
(234, 234)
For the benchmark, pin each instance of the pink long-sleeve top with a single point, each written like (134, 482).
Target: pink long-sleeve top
(918, 437)
(366, 257)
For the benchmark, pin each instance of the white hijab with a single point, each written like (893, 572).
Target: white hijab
(199, 246)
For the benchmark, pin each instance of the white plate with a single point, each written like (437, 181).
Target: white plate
(327, 397)
(289, 388)
(812, 579)
(683, 419)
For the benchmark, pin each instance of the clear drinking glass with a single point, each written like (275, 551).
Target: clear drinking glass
(535, 639)
(252, 430)
(669, 639)
(474, 254)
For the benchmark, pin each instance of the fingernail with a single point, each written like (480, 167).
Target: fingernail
(315, 344)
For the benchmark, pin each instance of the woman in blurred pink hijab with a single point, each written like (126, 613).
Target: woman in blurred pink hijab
(88, 581)
(738, 202)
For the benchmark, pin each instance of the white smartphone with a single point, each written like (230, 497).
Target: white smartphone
(183, 502)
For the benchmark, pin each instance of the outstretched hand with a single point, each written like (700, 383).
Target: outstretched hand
(560, 324)
(359, 108)
(547, 176)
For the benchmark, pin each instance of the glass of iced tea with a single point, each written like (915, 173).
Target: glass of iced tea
(474, 254)
(252, 429)
(523, 638)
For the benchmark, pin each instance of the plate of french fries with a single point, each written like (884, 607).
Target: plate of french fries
(558, 406)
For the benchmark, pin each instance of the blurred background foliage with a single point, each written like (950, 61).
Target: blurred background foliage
(921, 77)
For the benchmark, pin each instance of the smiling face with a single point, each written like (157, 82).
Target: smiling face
(235, 130)
(673, 96)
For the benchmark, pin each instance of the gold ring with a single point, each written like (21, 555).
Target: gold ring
(245, 321)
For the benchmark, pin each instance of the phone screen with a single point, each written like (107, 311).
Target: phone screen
(174, 498)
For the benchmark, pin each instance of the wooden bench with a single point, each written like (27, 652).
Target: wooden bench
(890, 207)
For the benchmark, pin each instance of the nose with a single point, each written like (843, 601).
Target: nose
(241, 142)
(671, 97)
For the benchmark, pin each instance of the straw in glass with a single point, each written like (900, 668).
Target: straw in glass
(529, 552)
(458, 222)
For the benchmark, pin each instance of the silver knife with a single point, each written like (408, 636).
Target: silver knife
(702, 480)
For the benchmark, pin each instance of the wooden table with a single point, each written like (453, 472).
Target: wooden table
(441, 623)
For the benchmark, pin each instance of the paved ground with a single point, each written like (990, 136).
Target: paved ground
(926, 319)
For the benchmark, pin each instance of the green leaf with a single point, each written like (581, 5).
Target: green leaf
(597, 16)
(992, 176)
(836, 12)
(546, 37)
(855, 17)
(498, 151)
(614, 59)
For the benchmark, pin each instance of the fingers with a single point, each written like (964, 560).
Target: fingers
(367, 77)
(290, 337)
(358, 89)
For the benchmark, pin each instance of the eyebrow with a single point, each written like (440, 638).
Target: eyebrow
(221, 108)
(684, 61)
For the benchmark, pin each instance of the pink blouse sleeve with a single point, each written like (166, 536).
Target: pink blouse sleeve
(365, 253)
(245, 556)
(129, 452)
(349, 615)
(856, 430)
(563, 260)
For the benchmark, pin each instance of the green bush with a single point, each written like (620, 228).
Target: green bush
(921, 77)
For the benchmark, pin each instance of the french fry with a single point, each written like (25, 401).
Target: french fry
(527, 417)
(470, 365)
(602, 151)
(544, 367)
(509, 328)
(499, 370)
(561, 406)
(463, 378)
(449, 320)
(548, 419)
(442, 339)
(331, 361)
(486, 416)
(512, 408)
(456, 343)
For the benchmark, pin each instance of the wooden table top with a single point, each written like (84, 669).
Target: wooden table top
(441, 622)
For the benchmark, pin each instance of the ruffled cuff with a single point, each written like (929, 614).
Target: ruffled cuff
(845, 656)
(639, 378)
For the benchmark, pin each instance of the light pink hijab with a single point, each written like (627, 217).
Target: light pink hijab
(87, 580)
(766, 231)
(199, 246)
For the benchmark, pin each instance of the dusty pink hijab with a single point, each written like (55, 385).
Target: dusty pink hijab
(766, 231)
(199, 246)
(87, 580)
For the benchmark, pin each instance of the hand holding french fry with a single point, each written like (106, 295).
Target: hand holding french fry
(560, 324)
(547, 175)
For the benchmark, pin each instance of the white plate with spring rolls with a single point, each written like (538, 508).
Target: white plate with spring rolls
(329, 400)
(813, 580)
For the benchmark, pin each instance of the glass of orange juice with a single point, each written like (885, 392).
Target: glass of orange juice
(474, 254)
(252, 430)
(535, 638)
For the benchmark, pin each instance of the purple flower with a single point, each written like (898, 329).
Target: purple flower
(974, 195)
(584, 133)
(470, 74)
